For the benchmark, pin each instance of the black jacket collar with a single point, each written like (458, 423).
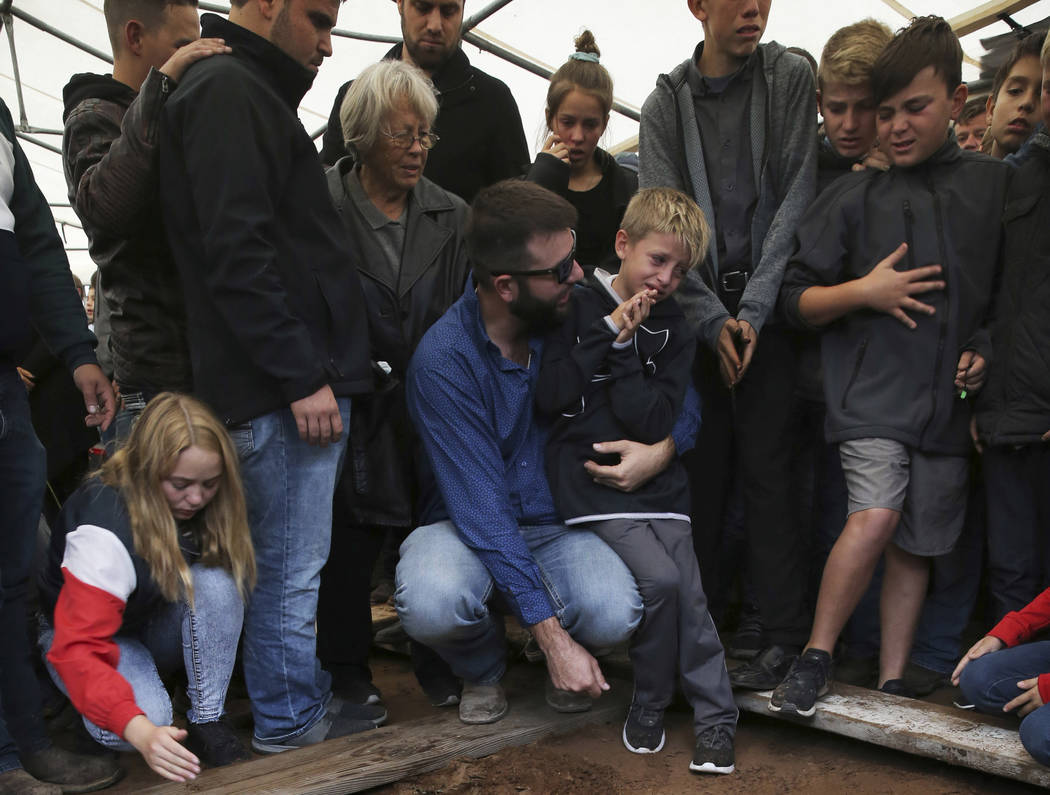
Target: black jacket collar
(92, 86)
(290, 79)
(453, 74)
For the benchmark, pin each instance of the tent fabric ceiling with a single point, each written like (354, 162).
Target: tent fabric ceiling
(638, 41)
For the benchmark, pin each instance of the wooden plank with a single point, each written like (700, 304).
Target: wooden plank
(392, 753)
(985, 14)
(917, 727)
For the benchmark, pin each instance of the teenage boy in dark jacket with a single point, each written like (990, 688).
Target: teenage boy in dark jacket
(38, 292)
(278, 331)
(902, 349)
(1013, 413)
(482, 141)
(734, 126)
(109, 149)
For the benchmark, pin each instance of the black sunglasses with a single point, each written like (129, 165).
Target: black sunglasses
(562, 271)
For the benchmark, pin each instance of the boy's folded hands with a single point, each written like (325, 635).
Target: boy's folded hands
(629, 315)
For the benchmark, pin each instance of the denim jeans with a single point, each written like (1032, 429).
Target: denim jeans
(1016, 484)
(288, 485)
(203, 639)
(23, 473)
(990, 682)
(132, 404)
(444, 591)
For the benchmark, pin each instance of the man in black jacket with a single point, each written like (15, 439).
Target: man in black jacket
(482, 140)
(109, 148)
(277, 328)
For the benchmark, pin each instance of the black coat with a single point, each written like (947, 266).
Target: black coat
(379, 482)
(882, 379)
(482, 141)
(274, 304)
(1014, 407)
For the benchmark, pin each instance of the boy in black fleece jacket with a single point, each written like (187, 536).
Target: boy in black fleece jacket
(903, 346)
(618, 368)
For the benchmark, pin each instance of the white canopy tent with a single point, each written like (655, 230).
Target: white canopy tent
(516, 40)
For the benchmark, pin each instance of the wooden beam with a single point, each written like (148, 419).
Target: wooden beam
(389, 754)
(985, 14)
(627, 145)
(946, 733)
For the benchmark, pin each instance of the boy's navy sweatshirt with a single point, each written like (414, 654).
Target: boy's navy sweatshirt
(882, 379)
(599, 391)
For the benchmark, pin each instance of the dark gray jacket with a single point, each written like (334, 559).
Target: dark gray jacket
(784, 154)
(109, 149)
(1014, 407)
(882, 379)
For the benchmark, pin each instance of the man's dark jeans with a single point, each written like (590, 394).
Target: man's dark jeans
(23, 473)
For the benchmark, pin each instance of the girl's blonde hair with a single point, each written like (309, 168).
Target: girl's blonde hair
(169, 424)
(587, 76)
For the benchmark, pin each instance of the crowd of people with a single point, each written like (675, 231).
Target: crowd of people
(769, 390)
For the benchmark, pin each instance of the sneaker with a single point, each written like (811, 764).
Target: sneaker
(330, 726)
(482, 703)
(643, 731)
(714, 751)
(72, 772)
(765, 671)
(393, 638)
(215, 744)
(354, 686)
(374, 713)
(922, 681)
(804, 684)
(746, 642)
(18, 782)
(897, 687)
(566, 700)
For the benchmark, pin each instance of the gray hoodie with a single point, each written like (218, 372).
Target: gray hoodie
(784, 154)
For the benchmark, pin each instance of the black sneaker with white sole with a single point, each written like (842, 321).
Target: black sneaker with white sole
(804, 684)
(714, 751)
(643, 731)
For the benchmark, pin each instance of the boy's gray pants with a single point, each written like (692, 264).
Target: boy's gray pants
(676, 632)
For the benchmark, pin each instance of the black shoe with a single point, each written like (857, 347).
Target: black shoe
(643, 731)
(922, 681)
(804, 684)
(374, 713)
(18, 782)
(857, 671)
(746, 642)
(897, 687)
(356, 690)
(72, 772)
(714, 751)
(215, 744)
(765, 671)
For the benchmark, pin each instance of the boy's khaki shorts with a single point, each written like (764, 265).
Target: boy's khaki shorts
(928, 490)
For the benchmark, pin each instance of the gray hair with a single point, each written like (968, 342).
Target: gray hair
(377, 91)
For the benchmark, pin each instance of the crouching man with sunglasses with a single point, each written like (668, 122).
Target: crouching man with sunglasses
(491, 541)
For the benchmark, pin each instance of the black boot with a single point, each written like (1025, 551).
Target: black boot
(72, 772)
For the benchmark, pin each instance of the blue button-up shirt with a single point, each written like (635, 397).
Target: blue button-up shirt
(473, 409)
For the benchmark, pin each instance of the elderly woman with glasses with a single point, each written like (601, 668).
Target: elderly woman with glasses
(412, 266)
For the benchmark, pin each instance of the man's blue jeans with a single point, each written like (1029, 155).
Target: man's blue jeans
(203, 640)
(23, 473)
(288, 485)
(443, 593)
(990, 682)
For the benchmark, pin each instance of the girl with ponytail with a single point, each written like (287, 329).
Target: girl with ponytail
(572, 164)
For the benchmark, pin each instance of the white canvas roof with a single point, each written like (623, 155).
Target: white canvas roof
(638, 41)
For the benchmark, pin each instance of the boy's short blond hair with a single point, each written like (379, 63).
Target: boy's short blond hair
(850, 53)
(666, 211)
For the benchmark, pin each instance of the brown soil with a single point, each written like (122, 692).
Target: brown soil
(771, 757)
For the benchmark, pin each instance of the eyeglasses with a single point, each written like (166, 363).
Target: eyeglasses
(404, 140)
(562, 271)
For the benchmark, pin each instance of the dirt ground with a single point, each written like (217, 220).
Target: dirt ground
(771, 757)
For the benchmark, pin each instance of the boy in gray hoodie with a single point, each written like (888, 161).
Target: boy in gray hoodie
(734, 126)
